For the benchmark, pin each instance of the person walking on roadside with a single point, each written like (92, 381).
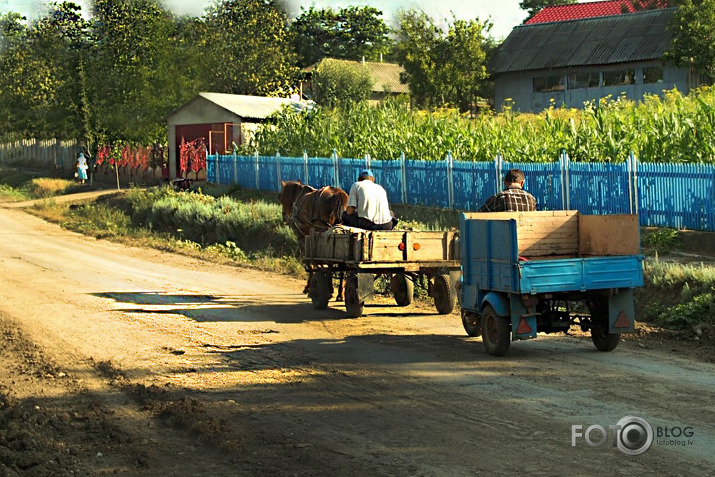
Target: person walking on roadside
(368, 207)
(513, 198)
(82, 168)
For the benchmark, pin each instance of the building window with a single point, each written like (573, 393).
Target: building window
(619, 78)
(583, 80)
(545, 84)
(653, 75)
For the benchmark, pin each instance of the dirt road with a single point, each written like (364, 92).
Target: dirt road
(125, 360)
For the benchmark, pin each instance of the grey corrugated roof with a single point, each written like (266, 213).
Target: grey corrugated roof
(385, 76)
(590, 41)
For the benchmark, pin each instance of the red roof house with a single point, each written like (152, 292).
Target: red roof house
(576, 11)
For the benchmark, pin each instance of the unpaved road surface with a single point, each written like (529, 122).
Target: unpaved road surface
(123, 360)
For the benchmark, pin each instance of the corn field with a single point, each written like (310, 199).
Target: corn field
(674, 128)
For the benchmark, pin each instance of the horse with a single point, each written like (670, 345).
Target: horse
(305, 207)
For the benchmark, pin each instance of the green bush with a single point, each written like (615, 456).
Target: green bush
(660, 240)
(207, 220)
(700, 309)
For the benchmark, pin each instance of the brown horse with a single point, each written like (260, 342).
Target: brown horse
(305, 207)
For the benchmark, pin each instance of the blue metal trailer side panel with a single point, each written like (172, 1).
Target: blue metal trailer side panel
(581, 274)
(489, 256)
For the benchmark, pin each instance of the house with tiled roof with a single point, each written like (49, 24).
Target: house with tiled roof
(572, 54)
(385, 77)
(577, 11)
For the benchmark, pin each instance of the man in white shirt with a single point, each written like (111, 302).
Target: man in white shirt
(368, 207)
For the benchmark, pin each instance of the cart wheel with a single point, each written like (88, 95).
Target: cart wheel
(495, 332)
(352, 305)
(470, 321)
(444, 294)
(602, 339)
(321, 289)
(403, 288)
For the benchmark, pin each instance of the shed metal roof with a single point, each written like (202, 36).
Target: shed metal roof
(591, 41)
(256, 107)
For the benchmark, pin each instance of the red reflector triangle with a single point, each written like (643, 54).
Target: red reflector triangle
(622, 321)
(523, 327)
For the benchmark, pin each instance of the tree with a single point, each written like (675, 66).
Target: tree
(133, 70)
(247, 50)
(338, 82)
(443, 69)
(38, 72)
(464, 56)
(533, 7)
(693, 43)
(350, 33)
(416, 49)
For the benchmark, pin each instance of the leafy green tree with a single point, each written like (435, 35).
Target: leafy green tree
(416, 49)
(349, 33)
(693, 43)
(533, 7)
(338, 82)
(444, 69)
(38, 72)
(247, 49)
(463, 56)
(133, 69)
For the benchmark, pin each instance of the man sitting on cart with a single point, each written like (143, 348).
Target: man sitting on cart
(513, 198)
(368, 207)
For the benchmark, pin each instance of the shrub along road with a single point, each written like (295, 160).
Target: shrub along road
(128, 360)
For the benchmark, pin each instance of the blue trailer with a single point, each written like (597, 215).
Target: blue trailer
(529, 272)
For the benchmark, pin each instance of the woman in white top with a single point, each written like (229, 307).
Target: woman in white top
(82, 168)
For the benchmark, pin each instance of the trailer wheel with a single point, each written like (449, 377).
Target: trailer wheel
(444, 294)
(602, 339)
(470, 321)
(353, 306)
(495, 332)
(403, 289)
(321, 289)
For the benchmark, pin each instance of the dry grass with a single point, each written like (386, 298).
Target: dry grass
(48, 187)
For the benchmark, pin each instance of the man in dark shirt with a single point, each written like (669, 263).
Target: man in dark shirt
(513, 198)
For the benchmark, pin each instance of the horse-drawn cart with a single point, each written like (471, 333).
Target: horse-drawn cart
(359, 255)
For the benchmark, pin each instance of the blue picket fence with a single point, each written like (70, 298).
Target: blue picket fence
(680, 196)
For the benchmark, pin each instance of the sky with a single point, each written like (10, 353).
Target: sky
(504, 14)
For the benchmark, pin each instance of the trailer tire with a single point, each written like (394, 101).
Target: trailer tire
(403, 289)
(496, 335)
(321, 289)
(471, 322)
(603, 340)
(353, 306)
(444, 294)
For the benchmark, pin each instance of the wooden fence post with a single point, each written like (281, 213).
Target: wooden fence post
(634, 175)
(336, 173)
(218, 177)
(305, 166)
(235, 167)
(278, 169)
(450, 181)
(258, 181)
(403, 177)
